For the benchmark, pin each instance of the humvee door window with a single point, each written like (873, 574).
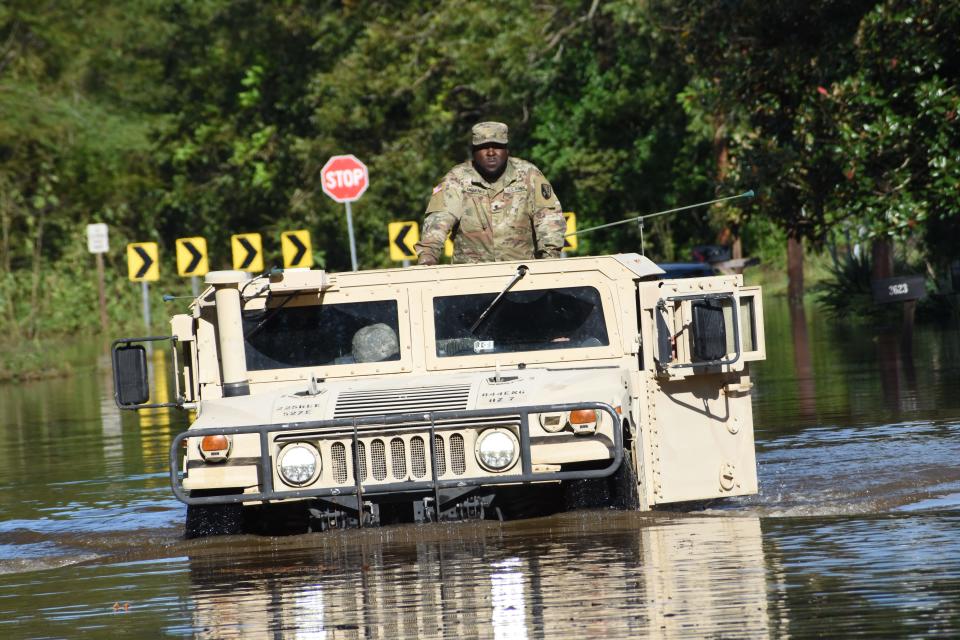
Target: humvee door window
(317, 335)
(564, 318)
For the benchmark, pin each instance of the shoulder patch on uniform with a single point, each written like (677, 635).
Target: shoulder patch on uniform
(437, 189)
(546, 191)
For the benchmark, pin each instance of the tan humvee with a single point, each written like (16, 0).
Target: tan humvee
(457, 392)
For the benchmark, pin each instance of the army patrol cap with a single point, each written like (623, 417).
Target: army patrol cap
(487, 132)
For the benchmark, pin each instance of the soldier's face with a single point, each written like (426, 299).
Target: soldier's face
(490, 159)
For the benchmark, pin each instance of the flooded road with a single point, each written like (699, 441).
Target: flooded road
(854, 530)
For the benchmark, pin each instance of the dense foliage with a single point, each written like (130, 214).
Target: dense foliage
(174, 118)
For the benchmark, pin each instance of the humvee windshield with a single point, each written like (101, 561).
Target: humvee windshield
(562, 318)
(284, 337)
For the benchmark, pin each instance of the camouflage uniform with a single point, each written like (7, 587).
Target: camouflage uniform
(518, 217)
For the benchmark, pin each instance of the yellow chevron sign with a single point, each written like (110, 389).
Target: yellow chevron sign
(192, 257)
(403, 235)
(247, 252)
(297, 249)
(143, 264)
(570, 242)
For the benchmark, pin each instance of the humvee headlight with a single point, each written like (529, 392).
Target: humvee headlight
(553, 422)
(299, 463)
(497, 449)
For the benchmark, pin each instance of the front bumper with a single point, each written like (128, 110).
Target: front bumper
(350, 428)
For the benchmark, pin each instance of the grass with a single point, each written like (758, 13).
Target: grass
(25, 360)
(773, 279)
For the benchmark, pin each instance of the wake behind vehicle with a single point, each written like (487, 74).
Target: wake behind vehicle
(456, 392)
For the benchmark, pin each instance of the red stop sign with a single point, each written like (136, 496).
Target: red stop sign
(344, 178)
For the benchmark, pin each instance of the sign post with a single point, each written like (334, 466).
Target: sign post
(344, 178)
(98, 244)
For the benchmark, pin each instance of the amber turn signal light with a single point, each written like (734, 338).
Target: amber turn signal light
(583, 416)
(210, 444)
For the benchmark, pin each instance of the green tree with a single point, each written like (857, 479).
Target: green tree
(72, 139)
(762, 69)
(899, 139)
(608, 128)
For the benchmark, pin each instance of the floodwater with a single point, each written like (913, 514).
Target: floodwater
(854, 531)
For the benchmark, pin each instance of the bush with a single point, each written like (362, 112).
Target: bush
(847, 292)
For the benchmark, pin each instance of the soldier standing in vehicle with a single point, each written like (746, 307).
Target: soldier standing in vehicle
(493, 206)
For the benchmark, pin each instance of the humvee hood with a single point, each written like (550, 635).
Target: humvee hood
(421, 394)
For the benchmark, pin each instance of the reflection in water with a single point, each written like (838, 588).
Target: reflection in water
(155, 423)
(508, 600)
(579, 575)
(803, 362)
(843, 377)
(308, 615)
(110, 421)
(898, 376)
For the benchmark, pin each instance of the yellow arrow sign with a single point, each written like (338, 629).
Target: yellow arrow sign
(192, 257)
(403, 235)
(247, 252)
(296, 248)
(570, 242)
(143, 264)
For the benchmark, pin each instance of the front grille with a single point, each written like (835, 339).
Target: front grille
(351, 404)
(458, 459)
(376, 463)
(339, 454)
(378, 459)
(361, 457)
(398, 453)
(418, 459)
(398, 456)
(440, 458)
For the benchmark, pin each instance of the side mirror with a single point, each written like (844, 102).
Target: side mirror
(130, 379)
(709, 331)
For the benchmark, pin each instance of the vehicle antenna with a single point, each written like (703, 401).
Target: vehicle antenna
(640, 219)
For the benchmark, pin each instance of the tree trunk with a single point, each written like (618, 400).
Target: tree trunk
(721, 152)
(794, 270)
(737, 251)
(882, 257)
(35, 283)
(4, 240)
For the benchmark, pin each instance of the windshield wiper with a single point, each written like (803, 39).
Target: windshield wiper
(521, 271)
(267, 317)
